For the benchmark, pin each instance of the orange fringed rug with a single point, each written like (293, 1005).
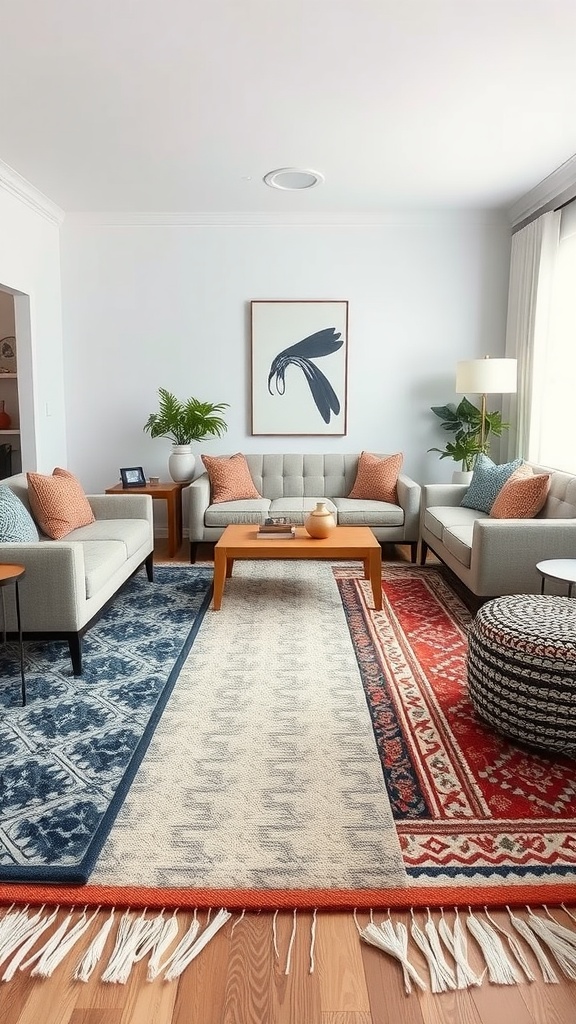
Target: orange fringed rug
(481, 821)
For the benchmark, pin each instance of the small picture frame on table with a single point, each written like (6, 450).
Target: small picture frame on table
(133, 476)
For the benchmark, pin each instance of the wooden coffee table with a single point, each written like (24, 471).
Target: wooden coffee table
(350, 543)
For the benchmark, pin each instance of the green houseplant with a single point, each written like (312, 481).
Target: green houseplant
(465, 422)
(183, 423)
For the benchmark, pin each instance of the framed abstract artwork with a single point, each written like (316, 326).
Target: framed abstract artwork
(299, 366)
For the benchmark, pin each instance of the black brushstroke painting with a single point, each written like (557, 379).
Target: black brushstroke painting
(322, 343)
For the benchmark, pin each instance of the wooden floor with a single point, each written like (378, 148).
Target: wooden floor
(238, 979)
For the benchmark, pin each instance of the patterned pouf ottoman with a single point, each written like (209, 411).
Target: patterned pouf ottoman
(522, 669)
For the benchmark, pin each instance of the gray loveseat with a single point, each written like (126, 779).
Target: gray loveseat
(493, 557)
(68, 582)
(291, 485)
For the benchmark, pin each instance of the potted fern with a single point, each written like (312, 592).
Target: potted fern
(465, 422)
(183, 423)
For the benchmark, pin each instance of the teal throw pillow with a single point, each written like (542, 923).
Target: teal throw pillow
(487, 481)
(16, 523)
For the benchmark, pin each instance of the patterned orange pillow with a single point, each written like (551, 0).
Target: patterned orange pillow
(58, 503)
(376, 478)
(230, 478)
(522, 496)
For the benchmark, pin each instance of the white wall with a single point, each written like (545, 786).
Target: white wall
(30, 269)
(153, 304)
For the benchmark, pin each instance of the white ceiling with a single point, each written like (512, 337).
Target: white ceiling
(184, 105)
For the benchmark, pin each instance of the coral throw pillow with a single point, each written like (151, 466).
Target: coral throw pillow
(376, 477)
(230, 478)
(58, 503)
(523, 495)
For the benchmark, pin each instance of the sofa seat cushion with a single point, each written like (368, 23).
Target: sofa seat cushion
(296, 509)
(437, 518)
(458, 541)
(356, 512)
(132, 533)
(102, 558)
(235, 513)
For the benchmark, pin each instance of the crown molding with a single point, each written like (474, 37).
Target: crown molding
(402, 217)
(19, 187)
(556, 188)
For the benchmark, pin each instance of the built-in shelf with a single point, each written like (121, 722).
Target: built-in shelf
(8, 376)
(9, 431)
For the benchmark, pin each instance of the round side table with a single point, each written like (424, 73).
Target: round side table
(563, 569)
(12, 574)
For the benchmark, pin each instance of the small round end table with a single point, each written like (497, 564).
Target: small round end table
(12, 574)
(563, 569)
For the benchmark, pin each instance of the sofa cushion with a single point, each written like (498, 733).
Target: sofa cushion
(101, 560)
(230, 478)
(236, 513)
(58, 502)
(458, 541)
(16, 523)
(438, 518)
(487, 480)
(377, 477)
(352, 512)
(132, 533)
(522, 496)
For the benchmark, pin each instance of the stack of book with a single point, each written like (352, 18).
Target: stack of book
(276, 530)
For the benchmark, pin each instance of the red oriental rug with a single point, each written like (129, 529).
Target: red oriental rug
(481, 820)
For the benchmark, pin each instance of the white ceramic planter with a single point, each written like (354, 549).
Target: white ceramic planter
(181, 462)
(460, 476)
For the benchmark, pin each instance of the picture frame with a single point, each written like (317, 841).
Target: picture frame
(299, 366)
(133, 476)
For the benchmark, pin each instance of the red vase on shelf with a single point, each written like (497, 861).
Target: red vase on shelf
(5, 420)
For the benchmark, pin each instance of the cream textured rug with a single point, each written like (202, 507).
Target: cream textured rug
(263, 772)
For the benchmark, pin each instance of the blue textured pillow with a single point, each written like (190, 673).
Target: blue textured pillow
(16, 523)
(487, 481)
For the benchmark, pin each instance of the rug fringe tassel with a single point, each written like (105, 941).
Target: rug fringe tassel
(16, 927)
(442, 978)
(51, 958)
(86, 966)
(179, 965)
(501, 970)
(26, 946)
(395, 943)
(548, 972)
(456, 942)
(562, 949)
(163, 942)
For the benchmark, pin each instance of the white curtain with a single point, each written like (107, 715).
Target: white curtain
(532, 264)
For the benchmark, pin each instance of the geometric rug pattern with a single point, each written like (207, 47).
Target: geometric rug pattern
(68, 758)
(471, 806)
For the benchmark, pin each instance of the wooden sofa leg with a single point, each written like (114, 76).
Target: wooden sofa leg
(423, 553)
(149, 563)
(75, 645)
(414, 551)
(193, 551)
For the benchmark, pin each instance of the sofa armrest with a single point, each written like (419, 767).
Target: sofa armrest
(505, 551)
(198, 502)
(443, 494)
(409, 497)
(53, 591)
(121, 506)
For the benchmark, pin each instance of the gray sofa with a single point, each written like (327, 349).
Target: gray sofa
(291, 485)
(493, 557)
(69, 581)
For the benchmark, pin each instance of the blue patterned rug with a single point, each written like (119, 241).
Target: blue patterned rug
(68, 758)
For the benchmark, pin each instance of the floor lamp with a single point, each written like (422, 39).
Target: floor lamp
(486, 377)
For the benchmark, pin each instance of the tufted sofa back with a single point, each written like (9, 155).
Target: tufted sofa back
(301, 476)
(561, 500)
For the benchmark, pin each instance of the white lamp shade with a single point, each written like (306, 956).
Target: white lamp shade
(486, 377)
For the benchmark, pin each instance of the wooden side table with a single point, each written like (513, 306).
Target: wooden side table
(12, 574)
(171, 492)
